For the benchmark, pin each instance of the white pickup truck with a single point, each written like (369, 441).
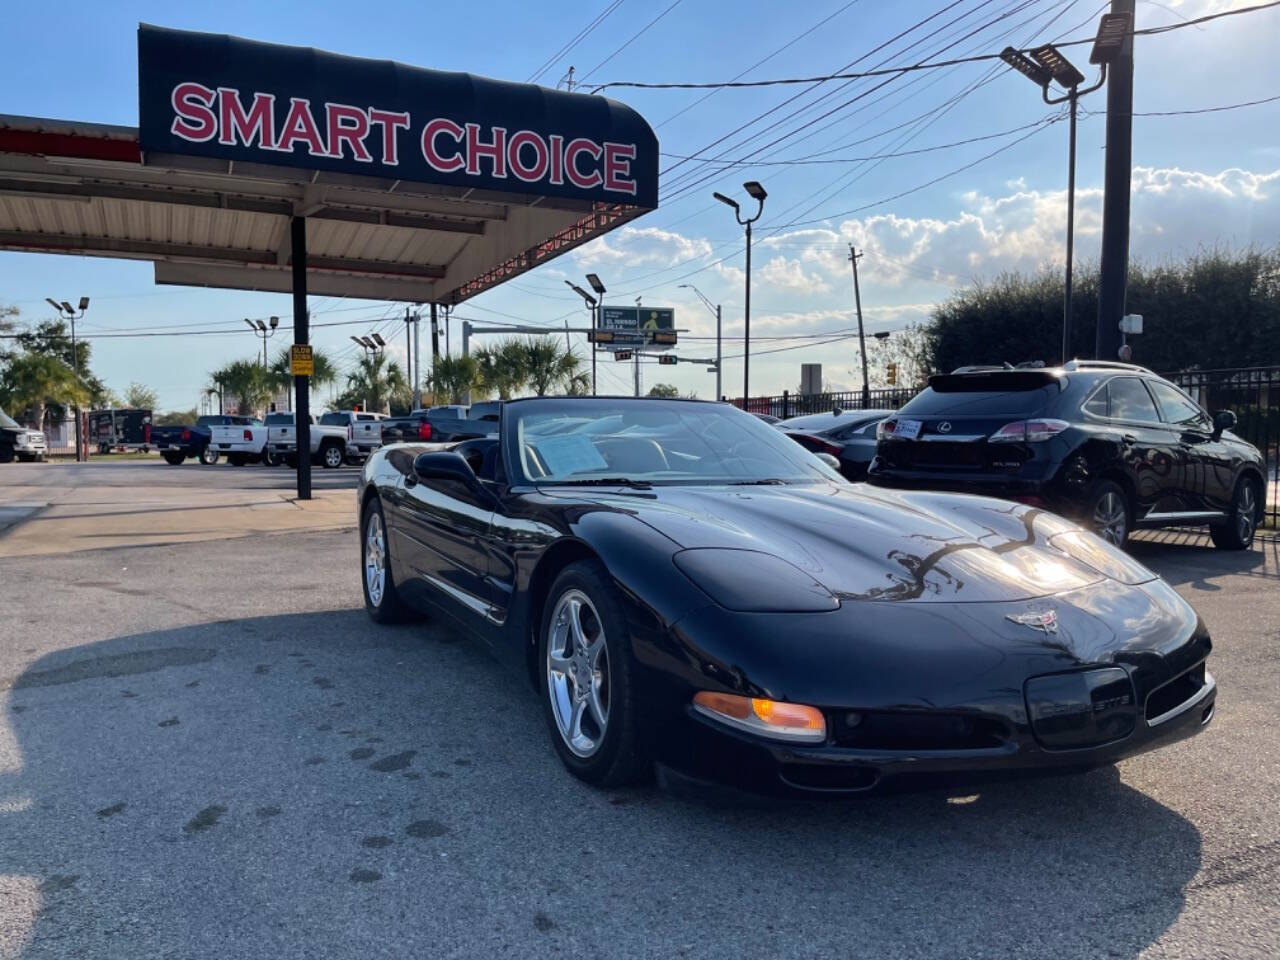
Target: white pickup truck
(364, 431)
(328, 443)
(240, 443)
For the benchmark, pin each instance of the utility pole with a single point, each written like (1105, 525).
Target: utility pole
(862, 342)
(1114, 261)
(408, 349)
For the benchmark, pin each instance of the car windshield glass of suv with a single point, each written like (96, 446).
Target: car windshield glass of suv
(592, 440)
(7, 421)
(1018, 393)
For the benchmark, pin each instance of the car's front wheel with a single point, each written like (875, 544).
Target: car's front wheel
(587, 679)
(173, 458)
(209, 456)
(331, 455)
(381, 600)
(1108, 513)
(1236, 533)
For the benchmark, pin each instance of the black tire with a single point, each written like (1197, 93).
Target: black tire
(1108, 513)
(291, 461)
(172, 458)
(618, 756)
(209, 456)
(331, 455)
(26, 457)
(388, 607)
(236, 459)
(6, 454)
(1236, 533)
(270, 459)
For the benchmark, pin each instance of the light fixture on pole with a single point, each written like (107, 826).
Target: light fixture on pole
(261, 330)
(757, 193)
(594, 280)
(1047, 64)
(716, 311)
(67, 312)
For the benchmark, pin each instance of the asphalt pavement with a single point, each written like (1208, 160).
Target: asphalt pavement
(207, 750)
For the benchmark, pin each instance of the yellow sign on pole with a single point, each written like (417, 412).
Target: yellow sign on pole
(301, 363)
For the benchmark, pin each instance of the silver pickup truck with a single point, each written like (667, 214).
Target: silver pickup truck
(364, 431)
(328, 443)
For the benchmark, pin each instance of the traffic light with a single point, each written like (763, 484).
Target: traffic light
(667, 360)
(622, 355)
(893, 374)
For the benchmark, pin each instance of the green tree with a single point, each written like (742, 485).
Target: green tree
(52, 338)
(376, 384)
(33, 385)
(281, 375)
(503, 368)
(175, 418)
(549, 366)
(451, 377)
(668, 390)
(247, 383)
(139, 397)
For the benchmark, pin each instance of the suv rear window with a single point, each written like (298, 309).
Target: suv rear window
(279, 419)
(334, 420)
(984, 395)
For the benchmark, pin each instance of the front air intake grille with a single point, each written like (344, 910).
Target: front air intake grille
(1175, 693)
(885, 730)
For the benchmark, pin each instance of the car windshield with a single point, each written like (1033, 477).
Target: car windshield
(7, 421)
(596, 440)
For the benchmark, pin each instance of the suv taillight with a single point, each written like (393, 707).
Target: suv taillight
(248, 435)
(424, 430)
(885, 428)
(186, 435)
(1028, 431)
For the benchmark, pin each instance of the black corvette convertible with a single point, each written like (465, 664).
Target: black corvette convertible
(687, 587)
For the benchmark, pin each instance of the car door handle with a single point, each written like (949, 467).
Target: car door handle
(410, 480)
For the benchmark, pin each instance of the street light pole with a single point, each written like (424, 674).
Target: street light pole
(1071, 226)
(596, 313)
(716, 310)
(862, 341)
(68, 312)
(757, 193)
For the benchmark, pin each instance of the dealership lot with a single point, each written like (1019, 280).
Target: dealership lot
(208, 743)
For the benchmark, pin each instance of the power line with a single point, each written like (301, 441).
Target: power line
(634, 37)
(578, 38)
(910, 68)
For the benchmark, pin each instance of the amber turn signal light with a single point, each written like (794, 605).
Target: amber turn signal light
(769, 718)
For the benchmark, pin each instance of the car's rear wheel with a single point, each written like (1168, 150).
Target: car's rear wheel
(172, 458)
(271, 459)
(381, 600)
(209, 456)
(586, 679)
(236, 459)
(1108, 514)
(6, 453)
(1242, 519)
(331, 456)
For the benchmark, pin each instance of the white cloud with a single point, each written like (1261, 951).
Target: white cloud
(789, 274)
(642, 246)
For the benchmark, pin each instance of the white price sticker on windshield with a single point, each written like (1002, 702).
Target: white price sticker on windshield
(907, 429)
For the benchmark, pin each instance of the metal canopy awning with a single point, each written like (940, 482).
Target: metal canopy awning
(82, 189)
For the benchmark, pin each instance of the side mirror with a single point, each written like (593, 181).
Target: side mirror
(445, 465)
(830, 460)
(1223, 420)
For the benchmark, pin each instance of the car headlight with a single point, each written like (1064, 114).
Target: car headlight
(1094, 552)
(749, 581)
(768, 718)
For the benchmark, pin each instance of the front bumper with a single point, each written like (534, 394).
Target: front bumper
(31, 443)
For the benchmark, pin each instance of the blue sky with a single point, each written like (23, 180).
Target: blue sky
(1199, 181)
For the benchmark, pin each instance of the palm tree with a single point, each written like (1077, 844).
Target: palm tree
(325, 374)
(503, 367)
(37, 381)
(550, 366)
(451, 377)
(248, 382)
(377, 380)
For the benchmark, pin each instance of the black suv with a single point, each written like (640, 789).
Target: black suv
(1111, 445)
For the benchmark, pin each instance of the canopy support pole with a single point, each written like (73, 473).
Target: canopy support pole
(301, 335)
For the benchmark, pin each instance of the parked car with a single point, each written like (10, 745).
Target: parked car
(328, 443)
(481, 420)
(176, 443)
(694, 592)
(1110, 444)
(124, 429)
(847, 435)
(364, 431)
(17, 442)
(240, 443)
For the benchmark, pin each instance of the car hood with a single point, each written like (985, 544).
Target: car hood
(868, 543)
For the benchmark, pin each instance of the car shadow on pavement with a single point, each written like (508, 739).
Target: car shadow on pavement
(312, 785)
(1189, 557)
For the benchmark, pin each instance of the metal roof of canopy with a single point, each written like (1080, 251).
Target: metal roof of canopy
(81, 188)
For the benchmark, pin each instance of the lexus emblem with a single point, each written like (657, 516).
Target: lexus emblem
(944, 426)
(1045, 621)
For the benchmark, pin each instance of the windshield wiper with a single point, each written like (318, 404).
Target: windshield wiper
(601, 482)
(762, 482)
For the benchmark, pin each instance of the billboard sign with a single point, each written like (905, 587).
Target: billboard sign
(209, 95)
(638, 326)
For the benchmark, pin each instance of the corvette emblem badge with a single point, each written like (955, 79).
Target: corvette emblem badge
(1045, 622)
(944, 426)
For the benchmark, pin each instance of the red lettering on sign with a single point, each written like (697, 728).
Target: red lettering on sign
(194, 120)
(300, 125)
(436, 159)
(390, 122)
(495, 150)
(571, 153)
(527, 138)
(557, 158)
(617, 167)
(235, 126)
(348, 125)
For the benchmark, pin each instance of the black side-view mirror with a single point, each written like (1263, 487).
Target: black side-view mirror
(446, 465)
(1223, 420)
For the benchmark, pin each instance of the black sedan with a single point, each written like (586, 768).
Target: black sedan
(847, 435)
(691, 589)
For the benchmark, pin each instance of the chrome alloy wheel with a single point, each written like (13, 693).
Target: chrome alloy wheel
(332, 457)
(578, 673)
(1110, 518)
(375, 558)
(1246, 511)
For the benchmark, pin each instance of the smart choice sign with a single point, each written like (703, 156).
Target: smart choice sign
(218, 96)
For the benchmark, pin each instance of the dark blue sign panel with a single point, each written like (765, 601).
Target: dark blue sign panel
(210, 95)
